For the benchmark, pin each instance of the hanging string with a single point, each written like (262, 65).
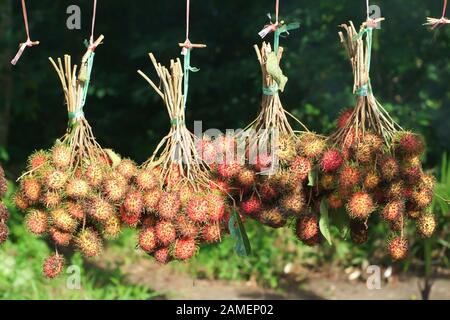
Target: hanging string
(94, 14)
(368, 9)
(436, 23)
(28, 42)
(187, 47)
(277, 10)
(444, 10)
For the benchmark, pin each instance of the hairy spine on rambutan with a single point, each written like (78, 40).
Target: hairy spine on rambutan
(151, 199)
(61, 156)
(185, 227)
(146, 180)
(53, 266)
(267, 191)
(38, 160)
(55, 179)
(216, 208)
(211, 233)
(307, 227)
(251, 206)
(31, 189)
(293, 204)
(162, 255)
(4, 232)
(59, 237)
(63, 220)
(89, 243)
(147, 239)
(301, 166)
(273, 218)
(331, 160)
(197, 209)
(246, 177)
(112, 227)
(51, 199)
(128, 218)
(94, 174)
(349, 177)
(411, 144)
(344, 118)
(100, 209)
(4, 213)
(311, 145)
(426, 225)
(389, 168)
(422, 198)
(77, 188)
(133, 202)
(393, 210)
(20, 201)
(115, 188)
(127, 168)
(36, 221)
(371, 180)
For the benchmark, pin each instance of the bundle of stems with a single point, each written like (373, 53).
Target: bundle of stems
(272, 114)
(368, 114)
(176, 151)
(436, 22)
(79, 136)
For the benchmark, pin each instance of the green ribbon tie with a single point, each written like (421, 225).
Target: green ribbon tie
(368, 31)
(187, 68)
(283, 29)
(271, 90)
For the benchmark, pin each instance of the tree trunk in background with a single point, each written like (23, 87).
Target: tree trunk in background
(5, 70)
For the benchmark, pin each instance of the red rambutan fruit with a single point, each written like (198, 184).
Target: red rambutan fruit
(393, 210)
(61, 156)
(331, 160)
(165, 232)
(228, 169)
(206, 150)
(63, 220)
(151, 199)
(4, 232)
(59, 237)
(55, 179)
(169, 205)
(301, 166)
(4, 213)
(53, 266)
(349, 177)
(184, 249)
(211, 233)
(89, 243)
(267, 191)
(37, 160)
(31, 189)
(412, 175)
(411, 144)
(427, 182)
(225, 145)
(36, 221)
(94, 174)
(360, 205)
(272, 217)
(251, 206)
(363, 153)
(162, 255)
(396, 190)
(398, 248)
(293, 204)
(307, 227)
(335, 201)
(216, 207)
(127, 169)
(374, 141)
(389, 168)
(51, 199)
(263, 162)
(77, 188)
(371, 180)
(146, 180)
(185, 227)
(426, 225)
(311, 145)
(130, 219)
(100, 209)
(422, 198)
(115, 188)
(134, 202)
(75, 209)
(220, 187)
(112, 227)
(246, 177)
(20, 201)
(197, 209)
(344, 118)
(147, 239)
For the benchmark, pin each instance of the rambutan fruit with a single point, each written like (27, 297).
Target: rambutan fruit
(174, 175)
(335, 201)
(130, 219)
(307, 227)
(293, 204)
(389, 168)
(37, 160)
(162, 255)
(413, 214)
(61, 155)
(285, 148)
(251, 206)
(216, 207)
(89, 243)
(284, 180)
(63, 220)
(363, 153)
(20, 201)
(220, 187)
(53, 266)
(4, 232)
(36, 221)
(197, 209)
(246, 177)
(169, 205)
(360, 205)
(112, 227)
(344, 118)
(426, 225)
(127, 169)
(147, 239)
(371, 180)
(59, 237)
(311, 145)
(228, 169)
(134, 202)
(263, 162)
(225, 146)
(4, 213)
(412, 175)
(396, 190)
(349, 177)
(267, 191)
(358, 232)
(393, 210)
(185, 227)
(165, 232)
(211, 233)
(272, 217)
(184, 249)
(100, 209)
(331, 160)
(31, 189)
(398, 248)
(51, 199)
(151, 199)
(3, 186)
(77, 188)
(75, 209)
(115, 188)
(422, 198)
(94, 174)
(327, 181)
(373, 141)
(206, 150)
(410, 144)
(301, 167)
(146, 180)
(427, 181)
(55, 179)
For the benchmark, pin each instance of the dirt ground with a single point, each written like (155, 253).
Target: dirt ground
(174, 284)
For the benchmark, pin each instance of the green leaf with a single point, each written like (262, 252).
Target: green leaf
(340, 219)
(324, 222)
(312, 177)
(238, 232)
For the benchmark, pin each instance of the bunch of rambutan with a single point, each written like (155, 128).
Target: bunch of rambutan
(4, 213)
(172, 200)
(71, 192)
(375, 166)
